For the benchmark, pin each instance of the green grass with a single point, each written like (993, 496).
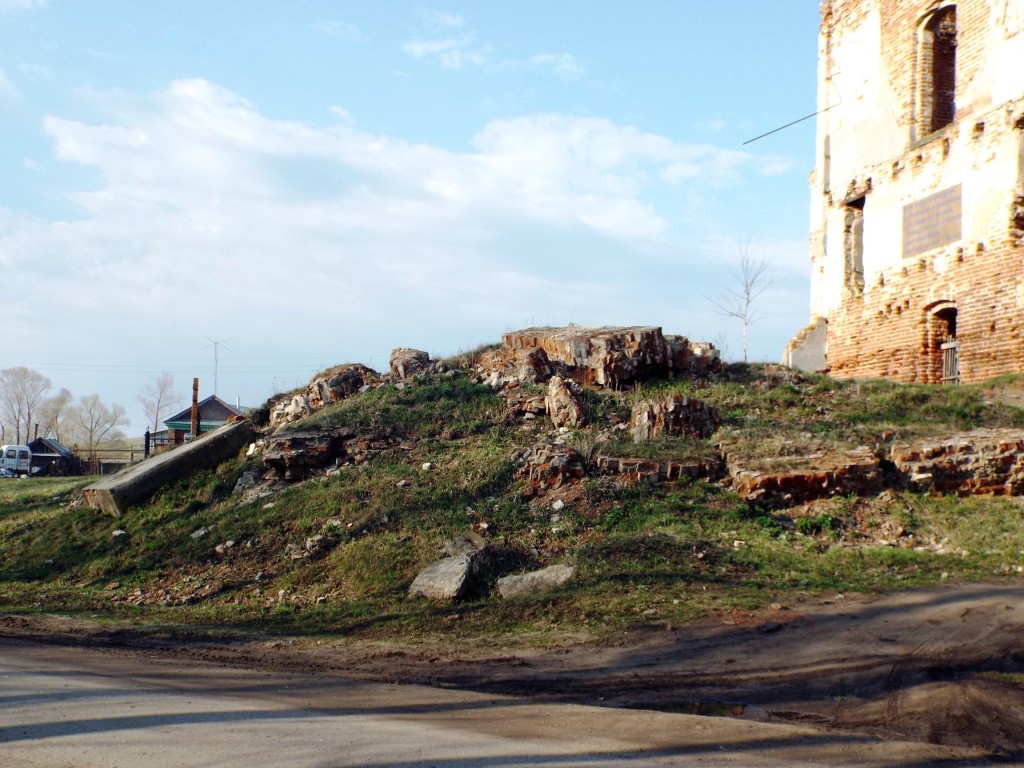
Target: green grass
(644, 553)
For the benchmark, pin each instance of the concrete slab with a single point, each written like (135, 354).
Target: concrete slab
(137, 483)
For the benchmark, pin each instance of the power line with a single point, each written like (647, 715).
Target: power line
(787, 125)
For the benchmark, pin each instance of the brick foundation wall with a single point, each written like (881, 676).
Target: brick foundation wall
(887, 332)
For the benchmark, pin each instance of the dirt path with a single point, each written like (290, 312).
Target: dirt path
(90, 709)
(940, 665)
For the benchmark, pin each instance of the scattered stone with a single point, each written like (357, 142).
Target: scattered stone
(247, 480)
(201, 533)
(665, 470)
(468, 543)
(221, 549)
(447, 579)
(536, 581)
(406, 363)
(675, 415)
(563, 403)
(120, 535)
(338, 383)
(294, 455)
(548, 467)
(557, 505)
(921, 481)
(984, 461)
(289, 409)
(798, 479)
(325, 388)
(315, 543)
(426, 466)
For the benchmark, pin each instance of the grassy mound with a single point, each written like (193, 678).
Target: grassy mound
(336, 553)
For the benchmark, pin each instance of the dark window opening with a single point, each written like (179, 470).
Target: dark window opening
(853, 244)
(937, 102)
(945, 322)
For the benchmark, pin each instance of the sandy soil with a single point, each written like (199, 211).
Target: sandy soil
(941, 665)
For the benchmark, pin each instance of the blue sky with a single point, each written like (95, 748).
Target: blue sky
(319, 182)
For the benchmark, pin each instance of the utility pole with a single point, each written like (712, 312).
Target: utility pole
(195, 408)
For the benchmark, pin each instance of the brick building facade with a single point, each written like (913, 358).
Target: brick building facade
(917, 197)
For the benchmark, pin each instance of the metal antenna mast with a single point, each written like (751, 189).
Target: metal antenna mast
(216, 357)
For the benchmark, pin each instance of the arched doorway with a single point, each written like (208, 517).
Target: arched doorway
(942, 347)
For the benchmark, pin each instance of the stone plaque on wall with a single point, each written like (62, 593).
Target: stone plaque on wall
(932, 222)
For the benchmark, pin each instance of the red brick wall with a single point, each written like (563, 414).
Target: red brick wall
(888, 329)
(900, 23)
(886, 332)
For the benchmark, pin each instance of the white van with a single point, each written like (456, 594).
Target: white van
(15, 460)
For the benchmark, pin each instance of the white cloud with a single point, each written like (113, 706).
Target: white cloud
(562, 64)
(21, 5)
(208, 214)
(441, 20)
(457, 47)
(452, 52)
(342, 114)
(35, 70)
(350, 33)
(714, 125)
(7, 88)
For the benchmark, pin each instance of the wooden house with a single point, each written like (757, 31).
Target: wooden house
(213, 413)
(49, 457)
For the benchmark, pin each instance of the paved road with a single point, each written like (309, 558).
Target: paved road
(78, 708)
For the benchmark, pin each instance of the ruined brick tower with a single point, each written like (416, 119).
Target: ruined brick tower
(917, 196)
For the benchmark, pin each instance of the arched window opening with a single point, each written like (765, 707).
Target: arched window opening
(853, 243)
(937, 70)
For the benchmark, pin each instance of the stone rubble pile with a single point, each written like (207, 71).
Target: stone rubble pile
(663, 470)
(804, 478)
(325, 388)
(525, 406)
(604, 357)
(407, 363)
(986, 461)
(297, 455)
(674, 415)
(567, 359)
(547, 467)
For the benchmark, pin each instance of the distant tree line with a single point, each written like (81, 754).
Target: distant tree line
(28, 409)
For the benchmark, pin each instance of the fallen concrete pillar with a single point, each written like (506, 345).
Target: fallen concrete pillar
(137, 483)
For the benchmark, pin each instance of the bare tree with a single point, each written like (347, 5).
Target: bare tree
(54, 414)
(97, 422)
(751, 276)
(22, 392)
(158, 398)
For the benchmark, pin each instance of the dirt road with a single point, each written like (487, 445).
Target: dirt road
(842, 681)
